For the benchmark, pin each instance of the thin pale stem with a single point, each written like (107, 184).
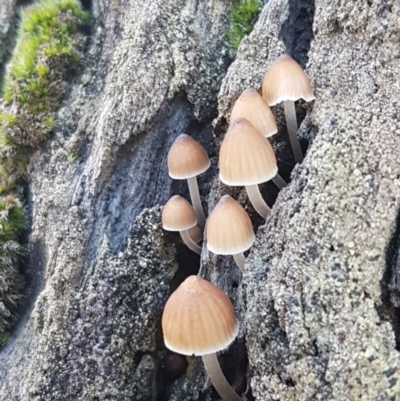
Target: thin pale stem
(196, 233)
(279, 181)
(240, 261)
(291, 123)
(189, 242)
(257, 200)
(196, 201)
(218, 379)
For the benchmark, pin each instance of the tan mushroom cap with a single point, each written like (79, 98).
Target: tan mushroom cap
(178, 214)
(229, 228)
(198, 319)
(286, 80)
(187, 158)
(246, 157)
(251, 106)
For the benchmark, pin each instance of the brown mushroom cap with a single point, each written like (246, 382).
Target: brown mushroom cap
(198, 319)
(178, 214)
(187, 158)
(229, 228)
(251, 106)
(246, 157)
(286, 80)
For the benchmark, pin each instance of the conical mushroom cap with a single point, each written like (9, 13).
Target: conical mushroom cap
(246, 157)
(187, 158)
(229, 228)
(178, 214)
(198, 319)
(286, 80)
(251, 106)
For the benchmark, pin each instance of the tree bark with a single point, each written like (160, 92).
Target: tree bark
(318, 303)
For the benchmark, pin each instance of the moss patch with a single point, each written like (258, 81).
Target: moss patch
(47, 54)
(243, 16)
(12, 223)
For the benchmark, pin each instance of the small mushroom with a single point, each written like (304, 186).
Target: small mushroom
(178, 215)
(186, 160)
(247, 159)
(196, 233)
(251, 106)
(285, 81)
(199, 319)
(229, 230)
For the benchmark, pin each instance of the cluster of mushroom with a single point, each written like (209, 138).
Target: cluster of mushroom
(199, 318)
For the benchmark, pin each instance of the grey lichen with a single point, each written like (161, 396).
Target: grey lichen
(112, 323)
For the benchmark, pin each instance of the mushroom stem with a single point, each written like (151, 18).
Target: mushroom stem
(291, 123)
(196, 201)
(279, 181)
(257, 200)
(189, 242)
(218, 379)
(196, 234)
(240, 260)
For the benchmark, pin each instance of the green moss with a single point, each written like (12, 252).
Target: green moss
(71, 157)
(8, 118)
(243, 16)
(7, 96)
(12, 222)
(49, 47)
(49, 121)
(48, 50)
(4, 337)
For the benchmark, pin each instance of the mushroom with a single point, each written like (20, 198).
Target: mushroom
(247, 159)
(178, 215)
(229, 230)
(186, 160)
(286, 81)
(251, 106)
(199, 319)
(196, 233)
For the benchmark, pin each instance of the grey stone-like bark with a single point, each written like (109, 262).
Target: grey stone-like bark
(318, 303)
(100, 272)
(319, 324)
(7, 21)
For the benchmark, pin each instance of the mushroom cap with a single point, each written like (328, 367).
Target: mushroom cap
(198, 319)
(246, 157)
(229, 228)
(187, 158)
(251, 106)
(286, 80)
(178, 214)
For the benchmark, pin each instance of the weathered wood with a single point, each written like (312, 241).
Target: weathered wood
(317, 303)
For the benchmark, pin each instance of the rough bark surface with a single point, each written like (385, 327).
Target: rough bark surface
(7, 20)
(100, 272)
(318, 303)
(318, 319)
